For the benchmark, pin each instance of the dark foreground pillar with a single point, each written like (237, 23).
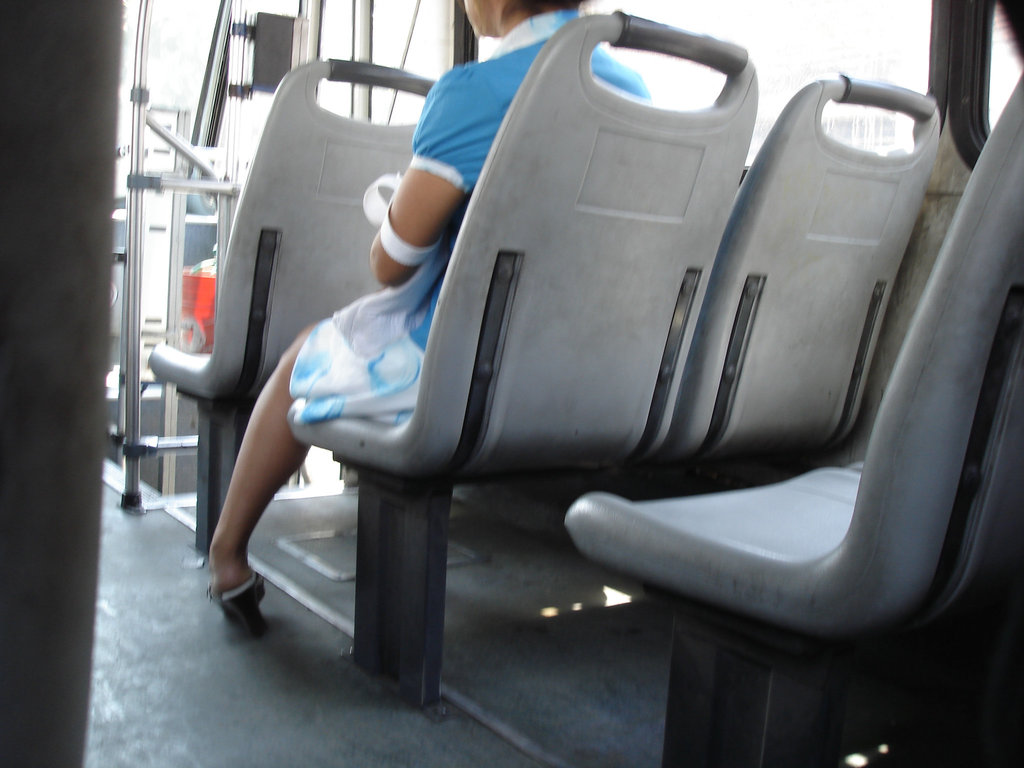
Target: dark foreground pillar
(58, 76)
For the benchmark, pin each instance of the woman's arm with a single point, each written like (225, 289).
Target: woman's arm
(420, 210)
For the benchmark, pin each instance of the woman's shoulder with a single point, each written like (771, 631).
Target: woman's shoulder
(496, 74)
(458, 91)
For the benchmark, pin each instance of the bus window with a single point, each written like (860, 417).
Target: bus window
(1005, 65)
(873, 130)
(661, 73)
(179, 48)
(794, 43)
(253, 111)
(414, 35)
(179, 44)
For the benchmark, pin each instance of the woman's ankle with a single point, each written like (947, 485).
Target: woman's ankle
(227, 568)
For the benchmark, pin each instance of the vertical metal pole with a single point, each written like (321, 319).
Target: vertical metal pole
(236, 70)
(226, 203)
(131, 335)
(405, 55)
(315, 14)
(179, 208)
(236, 82)
(362, 50)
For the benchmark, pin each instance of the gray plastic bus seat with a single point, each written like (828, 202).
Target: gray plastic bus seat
(298, 250)
(934, 521)
(788, 327)
(583, 249)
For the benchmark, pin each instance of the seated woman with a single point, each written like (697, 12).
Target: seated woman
(363, 361)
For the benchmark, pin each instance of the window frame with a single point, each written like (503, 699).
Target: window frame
(960, 70)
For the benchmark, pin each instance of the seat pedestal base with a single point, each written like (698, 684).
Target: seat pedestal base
(742, 695)
(221, 425)
(401, 561)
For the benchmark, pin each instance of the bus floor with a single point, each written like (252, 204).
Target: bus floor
(550, 660)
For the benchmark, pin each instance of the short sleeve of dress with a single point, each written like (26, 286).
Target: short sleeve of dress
(461, 115)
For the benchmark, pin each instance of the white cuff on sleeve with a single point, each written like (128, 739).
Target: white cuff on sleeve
(443, 170)
(401, 251)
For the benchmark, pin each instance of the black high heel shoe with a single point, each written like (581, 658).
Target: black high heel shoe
(242, 604)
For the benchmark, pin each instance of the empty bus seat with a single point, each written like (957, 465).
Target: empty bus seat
(298, 250)
(794, 303)
(581, 252)
(771, 581)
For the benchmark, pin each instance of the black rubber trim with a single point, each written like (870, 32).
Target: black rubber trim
(734, 357)
(860, 363)
(492, 329)
(867, 93)
(670, 358)
(263, 271)
(1005, 361)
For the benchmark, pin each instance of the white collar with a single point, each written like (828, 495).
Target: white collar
(533, 30)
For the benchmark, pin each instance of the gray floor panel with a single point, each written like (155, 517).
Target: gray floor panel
(549, 659)
(176, 685)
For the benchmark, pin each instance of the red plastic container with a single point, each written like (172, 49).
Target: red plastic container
(198, 310)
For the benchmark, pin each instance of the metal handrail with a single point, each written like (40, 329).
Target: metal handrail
(182, 146)
(210, 187)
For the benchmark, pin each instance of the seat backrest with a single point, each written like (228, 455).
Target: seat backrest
(940, 510)
(934, 518)
(800, 285)
(584, 245)
(300, 241)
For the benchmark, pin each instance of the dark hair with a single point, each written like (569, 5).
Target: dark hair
(539, 6)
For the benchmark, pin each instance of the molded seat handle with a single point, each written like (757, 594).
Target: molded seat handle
(867, 93)
(364, 73)
(646, 35)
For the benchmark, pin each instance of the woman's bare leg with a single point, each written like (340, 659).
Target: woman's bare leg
(268, 456)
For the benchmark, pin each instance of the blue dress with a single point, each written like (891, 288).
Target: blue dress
(338, 373)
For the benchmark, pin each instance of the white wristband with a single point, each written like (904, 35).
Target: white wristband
(401, 251)
(375, 202)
